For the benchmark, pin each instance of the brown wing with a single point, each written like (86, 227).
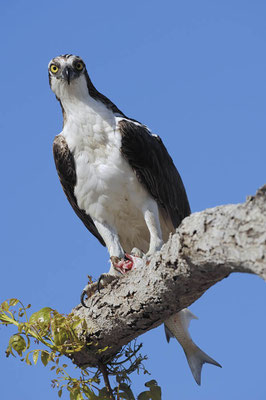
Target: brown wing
(65, 165)
(155, 169)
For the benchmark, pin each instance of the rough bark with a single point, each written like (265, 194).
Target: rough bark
(206, 248)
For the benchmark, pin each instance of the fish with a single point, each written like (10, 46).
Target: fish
(177, 326)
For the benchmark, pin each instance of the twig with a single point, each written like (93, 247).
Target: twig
(104, 372)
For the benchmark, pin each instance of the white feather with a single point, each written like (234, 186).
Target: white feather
(107, 187)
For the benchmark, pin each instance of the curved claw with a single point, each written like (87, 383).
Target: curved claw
(98, 282)
(83, 294)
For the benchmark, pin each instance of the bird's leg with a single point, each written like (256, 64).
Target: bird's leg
(151, 216)
(120, 262)
(114, 247)
(111, 239)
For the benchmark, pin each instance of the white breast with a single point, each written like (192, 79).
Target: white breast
(107, 188)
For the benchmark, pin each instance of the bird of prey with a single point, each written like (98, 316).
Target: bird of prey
(118, 177)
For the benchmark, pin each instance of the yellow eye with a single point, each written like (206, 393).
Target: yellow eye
(54, 68)
(79, 66)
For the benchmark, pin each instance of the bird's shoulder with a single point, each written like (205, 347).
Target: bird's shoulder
(60, 144)
(154, 168)
(64, 160)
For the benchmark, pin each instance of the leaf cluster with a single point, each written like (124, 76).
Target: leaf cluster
(56, 335)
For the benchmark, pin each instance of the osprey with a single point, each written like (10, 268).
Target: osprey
(119, 179)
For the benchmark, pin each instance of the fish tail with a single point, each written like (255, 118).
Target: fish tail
(196, 358)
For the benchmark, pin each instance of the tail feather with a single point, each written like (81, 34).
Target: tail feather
(196, 358)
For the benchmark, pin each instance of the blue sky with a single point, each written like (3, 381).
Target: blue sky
(194, 72)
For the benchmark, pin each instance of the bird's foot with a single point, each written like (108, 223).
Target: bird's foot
(118, 266)
(92, 288)
(122, 265)
(133, 260)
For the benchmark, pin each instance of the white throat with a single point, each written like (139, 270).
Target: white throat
(80, 107)
(86, 118)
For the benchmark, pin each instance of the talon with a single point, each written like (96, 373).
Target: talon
(82, 298)
(88, 291)
(92, 288)
(103, 281)
(98, 283)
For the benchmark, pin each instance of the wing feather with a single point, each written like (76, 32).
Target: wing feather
(155, 169)
(65, 165)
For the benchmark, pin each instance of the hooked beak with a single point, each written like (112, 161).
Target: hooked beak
(68, 74)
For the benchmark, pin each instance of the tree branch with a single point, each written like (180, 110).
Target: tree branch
(206, 248)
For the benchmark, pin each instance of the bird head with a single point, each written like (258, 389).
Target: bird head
(66, 73)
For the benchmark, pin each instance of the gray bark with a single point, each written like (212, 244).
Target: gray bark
(206, 248)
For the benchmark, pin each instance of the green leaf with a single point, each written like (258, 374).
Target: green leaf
(28, 341)
(144, 396)
(41, 319)
(35, 356)
(102, 350)
(5, 306)
(5, 319)
(151, 383)
(75, 394)
(72, 396)
(45, 357)
(13, 302)
(76, 323)
(26, 359)
(123, 395)
(60, 336)
(89, 393)
(59, 393)
(155, 389)
(103, 394)
(8, 352)
(43, 315)
(127, 391)
(17, 342)
(155, 392)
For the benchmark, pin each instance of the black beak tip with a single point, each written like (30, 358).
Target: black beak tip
(68, 74)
